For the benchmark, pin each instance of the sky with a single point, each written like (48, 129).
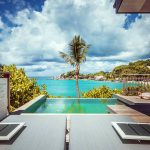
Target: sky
(32, 32)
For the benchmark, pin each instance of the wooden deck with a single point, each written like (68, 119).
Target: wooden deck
(124, 110)
(132, 100)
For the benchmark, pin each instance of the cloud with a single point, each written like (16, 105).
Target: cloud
(100, 66)
(38, 37)
(35, 68)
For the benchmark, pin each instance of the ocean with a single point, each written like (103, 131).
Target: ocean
(66, 88)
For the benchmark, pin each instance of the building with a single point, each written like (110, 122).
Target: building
(132, 6)
(100, 78)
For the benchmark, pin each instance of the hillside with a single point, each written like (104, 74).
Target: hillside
(138, 67)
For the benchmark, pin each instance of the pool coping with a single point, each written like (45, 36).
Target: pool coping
(70, 114)
(81, 98)
(28, 104)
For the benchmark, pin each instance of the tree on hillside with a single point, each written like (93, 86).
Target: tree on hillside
(75, 56)
(138, 67)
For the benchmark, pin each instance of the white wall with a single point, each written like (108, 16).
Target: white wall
(3, 98)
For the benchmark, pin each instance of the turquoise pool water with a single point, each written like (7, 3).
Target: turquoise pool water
(71, 106)
(66, 88)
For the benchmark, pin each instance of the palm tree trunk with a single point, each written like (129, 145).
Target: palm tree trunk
(77, 84)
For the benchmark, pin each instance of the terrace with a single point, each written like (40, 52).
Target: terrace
(126, 125)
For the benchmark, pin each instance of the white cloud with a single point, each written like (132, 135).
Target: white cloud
(41, 35)
(36, 38)
(36, 68)
(97, 66)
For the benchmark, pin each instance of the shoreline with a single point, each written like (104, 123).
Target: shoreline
(87, 80)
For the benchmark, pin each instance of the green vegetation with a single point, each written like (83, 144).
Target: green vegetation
(71, 75)
(101, 92)
(22, 88)
(138, 67)
(68, 75)
(76, 55)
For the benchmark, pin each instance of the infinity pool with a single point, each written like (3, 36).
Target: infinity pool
(71, 106)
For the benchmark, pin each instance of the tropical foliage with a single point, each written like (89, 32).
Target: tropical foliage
(22, 88)
(68, 75)
(101, 92)
(139, 67)
(71, 75)
(75, 56)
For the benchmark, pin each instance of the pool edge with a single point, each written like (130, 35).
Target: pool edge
(28, 104)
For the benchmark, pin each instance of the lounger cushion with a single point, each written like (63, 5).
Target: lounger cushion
(41, 132)
(145, 95)
(96, 133)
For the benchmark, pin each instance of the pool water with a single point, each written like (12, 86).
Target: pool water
(71, 106)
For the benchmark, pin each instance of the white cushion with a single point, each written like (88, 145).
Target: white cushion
(146, 95)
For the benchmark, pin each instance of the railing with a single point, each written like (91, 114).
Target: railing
(133, 84)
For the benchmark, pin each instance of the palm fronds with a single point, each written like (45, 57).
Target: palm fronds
(77, 51)
(67, 58)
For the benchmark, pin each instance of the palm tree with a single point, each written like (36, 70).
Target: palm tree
(76, 55)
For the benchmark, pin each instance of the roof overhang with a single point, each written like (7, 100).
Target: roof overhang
(132, 6)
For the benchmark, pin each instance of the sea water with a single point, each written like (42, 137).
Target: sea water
(67, 88)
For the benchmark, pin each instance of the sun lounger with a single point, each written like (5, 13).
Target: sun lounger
(132, 130)
(41, 132)
(97, 133)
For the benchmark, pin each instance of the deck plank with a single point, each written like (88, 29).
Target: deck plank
(132, 100)
(125, 110)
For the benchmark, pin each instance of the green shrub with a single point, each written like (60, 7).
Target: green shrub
(138, 67)
(22, 88)
(101, 92)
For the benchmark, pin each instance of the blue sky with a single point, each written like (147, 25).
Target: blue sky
(32, 32)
